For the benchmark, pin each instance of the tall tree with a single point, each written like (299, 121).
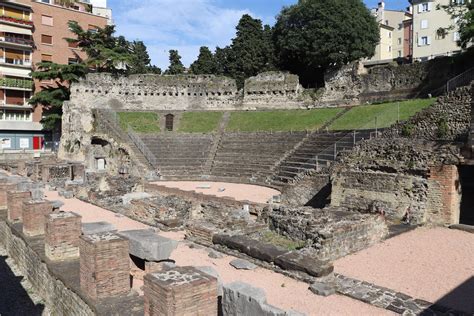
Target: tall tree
(105, 53)
(205, 63)
(463, 15)
(222, 59)
(52, 96)
(140, 60)
(250, 51)
(176, 66)
(313, 35)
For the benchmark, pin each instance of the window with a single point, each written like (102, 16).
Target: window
(47, 20)
(390, 48)
(46, 39)
(424, 40)
(72, 44)
(456, 36)
(386, 22)
(424, 7)
(399, 41)
(458, 2)
(92, 28)
(424, 24)
(399, 53)
(72, 61)
(389, 34)
(46, 58)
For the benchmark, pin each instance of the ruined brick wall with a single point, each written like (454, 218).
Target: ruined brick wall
(444, 196)
(353, 84)
(448, 119)
(407, 180)
(60, 299)
(312, 190)
(332, 232)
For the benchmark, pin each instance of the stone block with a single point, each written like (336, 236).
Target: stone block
(323, 289)
(34, 216)
(243, 299)
(127, 198)
(37, 194)
(147, 245)
(299, 261)
(180, 291)
(15, 201)
(213, 272)
(240, 264)
(66, 194)
(62, 230)
(57, 204)
(104, 265)
(97, 228)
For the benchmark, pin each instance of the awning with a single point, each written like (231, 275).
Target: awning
(14, 29)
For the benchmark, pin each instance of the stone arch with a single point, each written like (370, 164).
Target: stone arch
(169, 122)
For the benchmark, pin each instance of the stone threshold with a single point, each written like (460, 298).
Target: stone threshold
(388, 299)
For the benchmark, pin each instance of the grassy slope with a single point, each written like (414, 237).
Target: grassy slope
(199, 122)
(363, 117)
(289, 120)
(141, 122)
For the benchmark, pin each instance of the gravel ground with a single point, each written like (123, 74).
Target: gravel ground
(434, 264)
(240, 192)
(282, 292)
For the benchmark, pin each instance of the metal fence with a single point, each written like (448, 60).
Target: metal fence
(113, 121)
(461, 80)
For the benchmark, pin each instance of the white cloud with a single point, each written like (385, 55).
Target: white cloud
(176, 24)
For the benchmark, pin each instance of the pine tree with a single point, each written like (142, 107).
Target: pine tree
(52, 96)
(176, 66)
(205, 64)
(140, 60)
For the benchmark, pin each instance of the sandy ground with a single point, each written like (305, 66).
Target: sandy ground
(282, 292)
(240, 192)
(436, 265)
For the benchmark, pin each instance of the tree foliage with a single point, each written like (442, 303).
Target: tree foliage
(205, 63)
(251, 51)
(176, 66)
(53, 95)
(313, 35)
(463, 15)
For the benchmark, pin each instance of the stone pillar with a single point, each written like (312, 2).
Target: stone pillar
(34, 217)
(63, 231)
(4, 188)
(15, 201)
(444, 196)
(45, 173)
(104, 265)
(180, 291)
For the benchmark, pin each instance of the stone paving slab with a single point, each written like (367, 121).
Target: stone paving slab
(147, 245)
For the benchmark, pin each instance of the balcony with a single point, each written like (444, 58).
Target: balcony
(16, 21)
(17, 106)
(16, 62)
(20, 84)
(17, 41)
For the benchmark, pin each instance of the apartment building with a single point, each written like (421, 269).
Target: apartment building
(394, 38)
(32, 31)
(431, 33)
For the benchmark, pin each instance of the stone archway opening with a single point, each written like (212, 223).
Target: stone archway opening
(169, 122)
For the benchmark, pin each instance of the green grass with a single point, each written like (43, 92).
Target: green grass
(141, 122)
(199, 122)
(273, 238)
(289, 120)
(364, 116)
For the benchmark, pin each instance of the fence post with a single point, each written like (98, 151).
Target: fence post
(354, 138)
(335, 150)
(317, 164)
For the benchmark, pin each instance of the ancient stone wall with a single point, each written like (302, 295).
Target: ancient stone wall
(406, 180)
(448, 119)
(313, 190)
(353, 84)
(59, 299)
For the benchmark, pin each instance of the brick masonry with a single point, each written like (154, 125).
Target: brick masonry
(4, 188)
(15, 201)
(104, 265)
(34, 217)
(180, 291)
(62, 235)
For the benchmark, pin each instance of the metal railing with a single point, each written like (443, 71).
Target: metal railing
(463, 79)
(113, 121)
(17, 40)
(16, 83)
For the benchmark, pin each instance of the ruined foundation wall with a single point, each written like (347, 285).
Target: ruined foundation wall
(310, 191)
(59, 299)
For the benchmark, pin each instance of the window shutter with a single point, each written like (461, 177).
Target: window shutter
(429, 6)
(420, 8)
(428, 40)
(420, 41)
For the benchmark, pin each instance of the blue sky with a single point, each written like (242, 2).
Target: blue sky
(187, 25)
